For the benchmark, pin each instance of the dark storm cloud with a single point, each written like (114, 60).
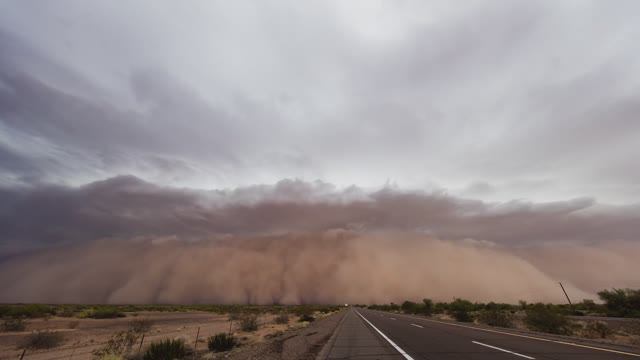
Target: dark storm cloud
(126, 207)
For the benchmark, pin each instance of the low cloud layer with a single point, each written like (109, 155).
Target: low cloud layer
(124, 240)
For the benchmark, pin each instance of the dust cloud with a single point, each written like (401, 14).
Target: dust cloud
(331, 267)
(123, 240)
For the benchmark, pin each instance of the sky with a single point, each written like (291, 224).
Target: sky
(494, 99)
(508, 127)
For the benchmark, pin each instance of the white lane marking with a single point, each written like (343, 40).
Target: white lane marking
(398, 348)
(505, 350)
(534, 338)
(392, 318)
(416, 325)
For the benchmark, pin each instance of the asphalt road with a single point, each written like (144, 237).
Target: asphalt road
(367, 334)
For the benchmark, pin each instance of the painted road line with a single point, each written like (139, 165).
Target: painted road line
(392, 318)
(501, 349)
(535, 338)
(416, 325)
(398, 348)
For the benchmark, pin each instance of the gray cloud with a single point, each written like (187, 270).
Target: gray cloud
(125, 207)
(446, 96)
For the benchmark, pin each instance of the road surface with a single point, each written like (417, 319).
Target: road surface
(367, 334)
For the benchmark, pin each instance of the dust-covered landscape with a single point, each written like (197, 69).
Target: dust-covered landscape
(393, 179)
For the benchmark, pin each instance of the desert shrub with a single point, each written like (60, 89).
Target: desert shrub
(27, 311)
(221, 342)
(621, 302)
(440, 307)
(523, 304)
(461, 309)
(307, 318)
(546, 319)
(13, 325)
(597, 329)
(118, 345)
(249, 323)
(427, 307)
(140, 326)
(105, 313)
(409, 307)
(494, 316)
(168, 349)
(305, 313)
(282, 319)
(235, 316)
(589, 306)
(385, 307)
(43, 340)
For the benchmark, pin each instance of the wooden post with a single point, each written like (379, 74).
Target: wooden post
(565, 294)
(22, 355)
(195, 347)
(141, 340)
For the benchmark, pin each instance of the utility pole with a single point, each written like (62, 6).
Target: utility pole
(565, 294)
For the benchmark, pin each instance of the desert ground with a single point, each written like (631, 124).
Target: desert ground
(82, 337)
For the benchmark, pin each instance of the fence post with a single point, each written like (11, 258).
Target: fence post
(195, 346)
(141, 340)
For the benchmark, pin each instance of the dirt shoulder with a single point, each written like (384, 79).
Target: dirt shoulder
(296, 343)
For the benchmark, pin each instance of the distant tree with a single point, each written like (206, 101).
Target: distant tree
(461, 309)
(409, 307)
(621, 302)
(427, 307)
(523, 304)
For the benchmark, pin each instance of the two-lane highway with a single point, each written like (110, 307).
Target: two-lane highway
(413, 337)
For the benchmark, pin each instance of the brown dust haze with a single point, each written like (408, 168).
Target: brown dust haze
(127, 241)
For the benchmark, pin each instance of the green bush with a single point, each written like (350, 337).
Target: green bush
(621, 302)
(409, 307)
(461, 309)
(43, 340)
(440, 308)
(544, 318)
(427, 307)
(249, 323)
(13, 325)
(166, 350)
(492, 315)
(105, 313)
(221, 342)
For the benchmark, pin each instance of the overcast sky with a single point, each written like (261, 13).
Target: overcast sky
(493, 100)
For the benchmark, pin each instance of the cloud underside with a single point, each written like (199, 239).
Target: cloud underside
(123, 240)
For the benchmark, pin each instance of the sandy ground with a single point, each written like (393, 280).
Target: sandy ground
(82, 336)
